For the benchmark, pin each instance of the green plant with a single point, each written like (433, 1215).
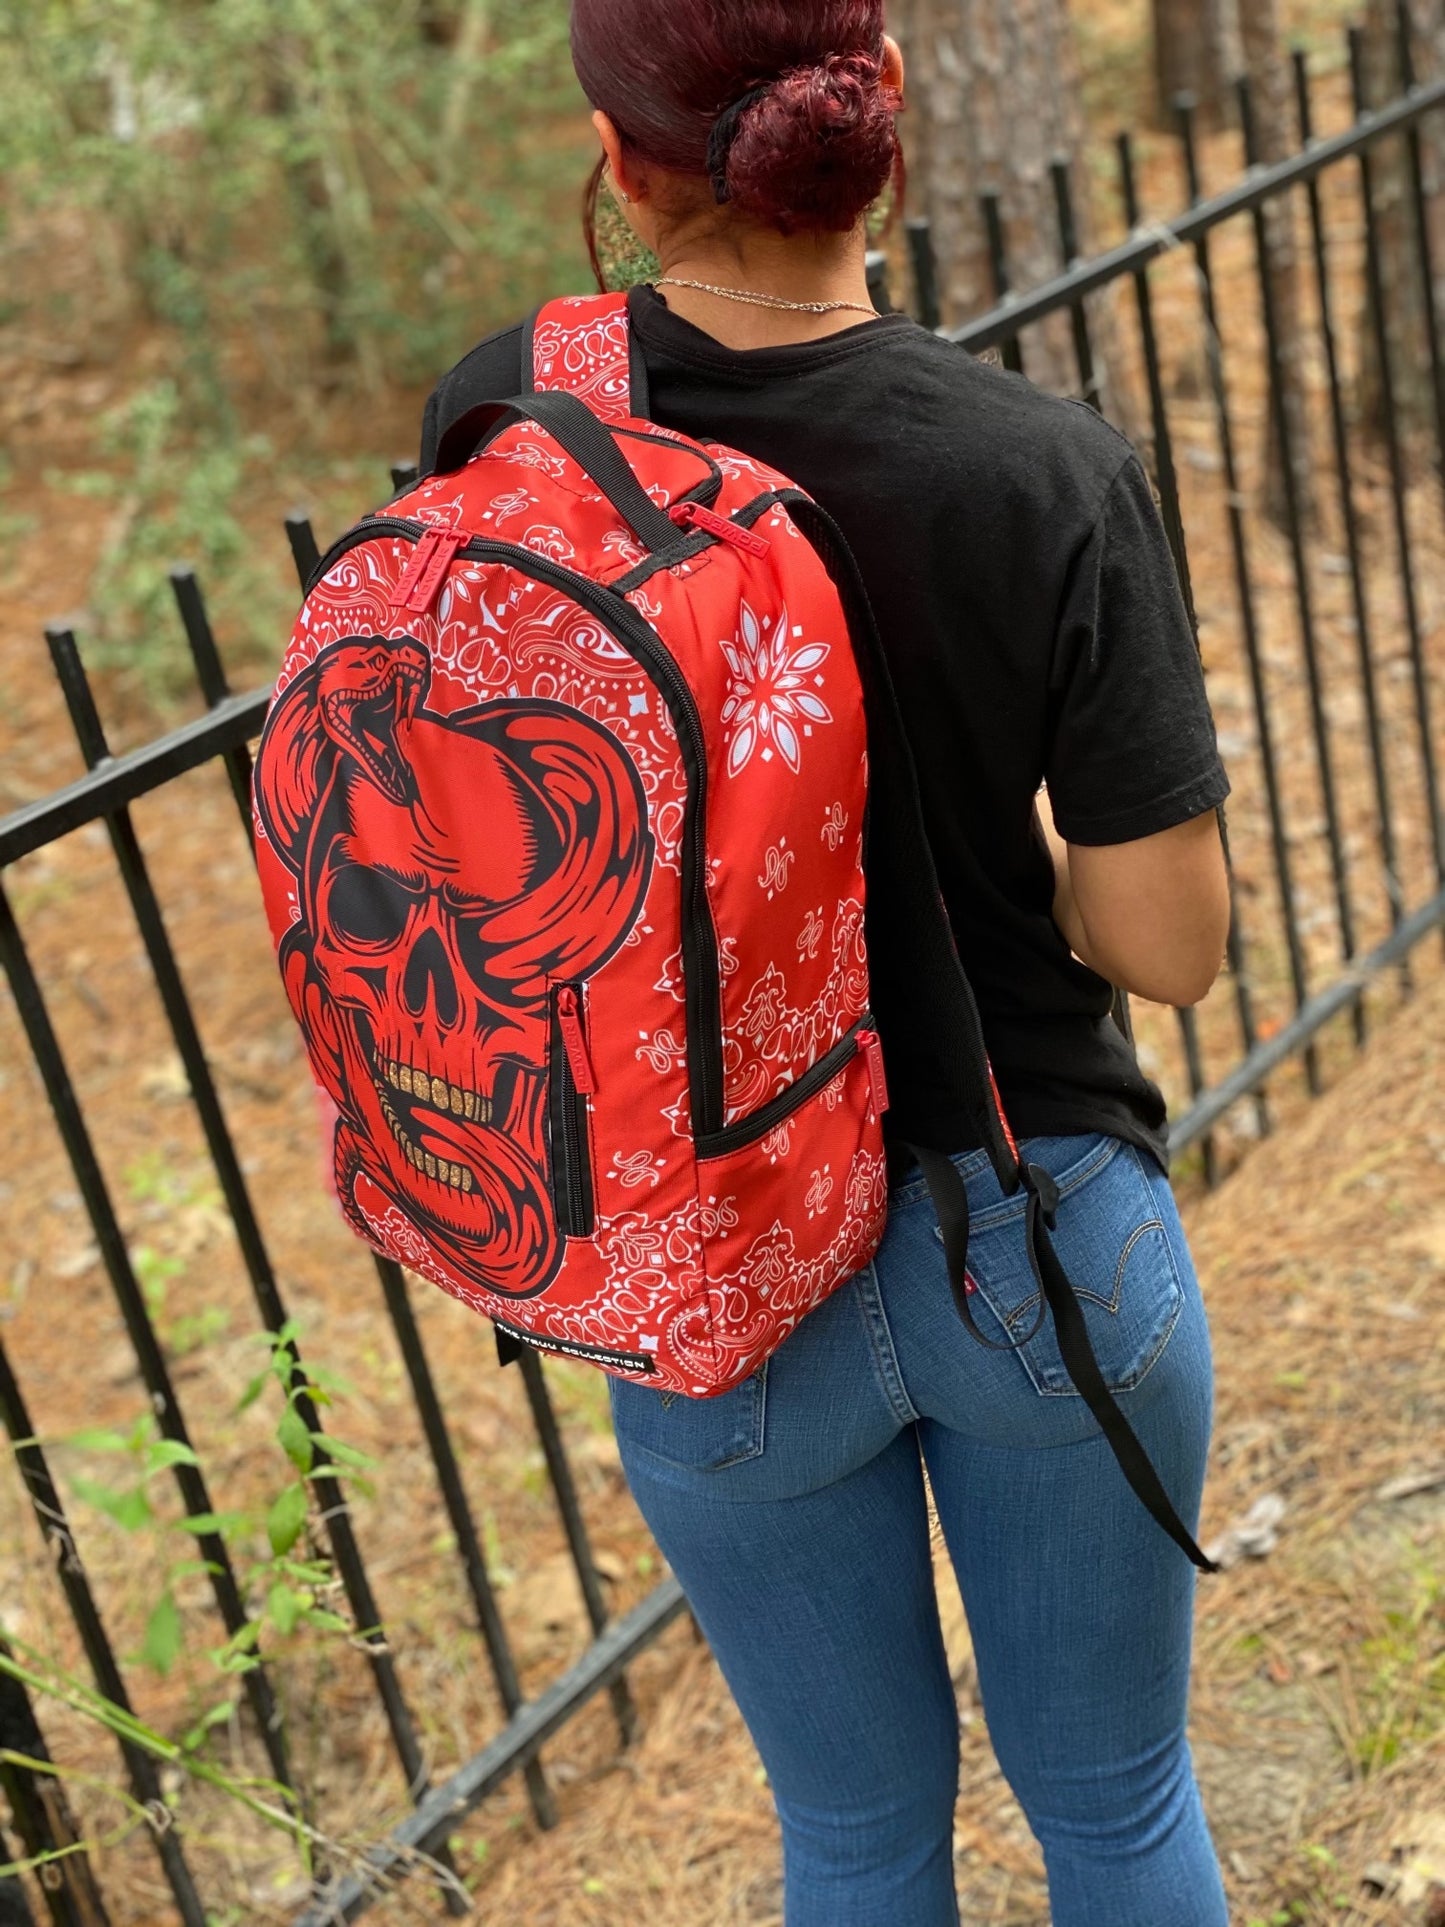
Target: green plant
(126, 1501)
(354, 186)
(178, 1196)
(1316, 1887)
(180, 1333)
(155, 1179)
(624, 259)
(1402, 1695)
(170, 500)
(582, 1396)
(264, 1799)
(288, 1585)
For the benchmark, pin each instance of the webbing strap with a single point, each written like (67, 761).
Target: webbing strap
(590, 443)
(950, 1200)
(509, 1347)
(1056, 1292)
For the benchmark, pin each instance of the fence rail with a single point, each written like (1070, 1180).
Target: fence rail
(1340, 875)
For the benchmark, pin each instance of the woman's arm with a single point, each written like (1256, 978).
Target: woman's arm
(1151, 916)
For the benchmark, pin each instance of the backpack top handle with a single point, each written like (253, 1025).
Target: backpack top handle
(574, 427)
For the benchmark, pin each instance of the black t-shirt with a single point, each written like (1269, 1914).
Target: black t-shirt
(1031, 617)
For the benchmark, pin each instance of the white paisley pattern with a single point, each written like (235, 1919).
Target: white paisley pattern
(584, 348)
(774, 1036)
(769, 705)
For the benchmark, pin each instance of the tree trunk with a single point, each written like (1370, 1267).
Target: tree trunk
(1275, 138)
(312, 208)
(1197, 52)
(993, 91)
(1396, 222)
(468, 67)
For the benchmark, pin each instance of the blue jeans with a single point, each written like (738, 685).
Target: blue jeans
(792, 1510)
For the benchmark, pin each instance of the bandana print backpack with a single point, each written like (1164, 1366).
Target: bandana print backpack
(561, 809)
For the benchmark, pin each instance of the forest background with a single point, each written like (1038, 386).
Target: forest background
(237, 244)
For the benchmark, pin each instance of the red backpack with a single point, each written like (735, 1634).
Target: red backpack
(562, 807)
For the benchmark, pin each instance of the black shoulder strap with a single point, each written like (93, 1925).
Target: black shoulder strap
(637, 361)
(903, 893)
(1058, 1298)
(590, 443)
(949, 1065)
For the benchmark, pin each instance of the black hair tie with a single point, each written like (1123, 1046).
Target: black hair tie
(724, 133)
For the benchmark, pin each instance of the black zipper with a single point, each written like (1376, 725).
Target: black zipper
(572, 1189)
(701, 975)
(365, 531)
(777, 1110)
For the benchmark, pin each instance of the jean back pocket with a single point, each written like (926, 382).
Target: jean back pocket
(693, 1434)
(1115, 1238)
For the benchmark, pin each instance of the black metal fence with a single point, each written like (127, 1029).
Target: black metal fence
(1338, 839)
(1320, 624)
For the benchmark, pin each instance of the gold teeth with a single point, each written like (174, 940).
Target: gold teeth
(455, 1176)
(438, 1093)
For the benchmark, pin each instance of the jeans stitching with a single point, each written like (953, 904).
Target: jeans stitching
(754, 1449)
(1141, 1372)
(880, 1336)
(1010, 1321)
(1005, 1209)
(1110, 1304)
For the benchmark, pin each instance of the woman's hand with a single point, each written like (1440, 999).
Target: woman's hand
(1152, 917)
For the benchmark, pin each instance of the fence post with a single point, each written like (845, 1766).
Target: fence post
(925, 271)
(1069, 249)
(877, 270)
(1374, 274)
(42, 1821)
(1011, 350)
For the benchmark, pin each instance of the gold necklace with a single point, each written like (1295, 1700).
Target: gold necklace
(765, 300)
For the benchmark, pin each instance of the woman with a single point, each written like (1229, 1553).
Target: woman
(1032, 621)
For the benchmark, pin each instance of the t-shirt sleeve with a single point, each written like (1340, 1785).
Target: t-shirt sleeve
(1131, 747)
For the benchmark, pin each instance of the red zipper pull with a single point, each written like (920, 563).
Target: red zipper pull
(692, 515)
(574, 1040)
(871, 1045)
(422, 578)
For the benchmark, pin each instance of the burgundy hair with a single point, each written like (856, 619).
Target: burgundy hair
(815, 145)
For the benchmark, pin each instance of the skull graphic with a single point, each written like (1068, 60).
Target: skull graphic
(448, 869)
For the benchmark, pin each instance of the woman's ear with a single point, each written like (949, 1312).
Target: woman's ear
(626, 179)
(892, 64)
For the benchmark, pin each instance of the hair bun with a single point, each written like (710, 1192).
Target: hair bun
(818, 147)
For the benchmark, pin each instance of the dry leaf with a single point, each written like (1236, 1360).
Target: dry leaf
(75, 1264)
(1409, 1483)
(1253, 1536)
(166, 1082)
(1419, 1842)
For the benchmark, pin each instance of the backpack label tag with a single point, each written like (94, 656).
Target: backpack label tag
(871, 1046)
(637, 1362)
(423, 575)
(574, 1040)
(692, 515)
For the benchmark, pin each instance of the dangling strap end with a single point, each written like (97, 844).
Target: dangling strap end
(1077, 1352)
(509, 1349)
(1040, 1184)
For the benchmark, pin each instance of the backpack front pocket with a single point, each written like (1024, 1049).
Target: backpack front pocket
(573, 1084)
(810, 1167)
